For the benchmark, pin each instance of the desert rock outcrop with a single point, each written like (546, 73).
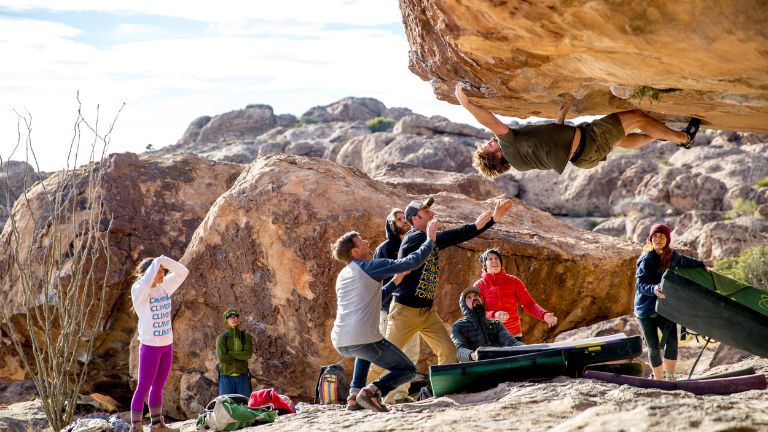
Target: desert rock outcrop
(264, 247)
(156, 204)
(421, 181)
(358, 132)
(523, 58)
(15, 176)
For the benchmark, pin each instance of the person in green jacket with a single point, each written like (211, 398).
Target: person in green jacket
(233, 349)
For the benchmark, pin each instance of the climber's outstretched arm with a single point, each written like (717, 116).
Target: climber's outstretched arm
(482, 115)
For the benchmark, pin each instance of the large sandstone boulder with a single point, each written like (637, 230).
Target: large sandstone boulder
(626, 324)
(264, 248)
(156, 204)
(420, 125)
(23, 416)
(441, 152)
(347, 109)
(249, 122)
(205, 134)
(420, 181)
(673, 59)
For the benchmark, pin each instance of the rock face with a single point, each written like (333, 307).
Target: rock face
(15, 176)
(156, 204)
(338, 132)
(420, 181)
(264, 247)
(240, 124)
(694, 191)
(523, 58)
(23, 416)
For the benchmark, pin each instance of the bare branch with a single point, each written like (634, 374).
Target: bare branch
(56, 238)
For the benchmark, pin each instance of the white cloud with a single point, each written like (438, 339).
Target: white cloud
(355, 12)
(167, 82)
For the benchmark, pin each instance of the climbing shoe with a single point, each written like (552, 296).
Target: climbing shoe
(690, 131)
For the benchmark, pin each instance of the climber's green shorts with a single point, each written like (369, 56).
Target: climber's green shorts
(599, 138)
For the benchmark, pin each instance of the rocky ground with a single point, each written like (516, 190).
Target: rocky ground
(560, 404)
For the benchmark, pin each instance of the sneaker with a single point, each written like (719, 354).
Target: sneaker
(371, 399)
(352, 404)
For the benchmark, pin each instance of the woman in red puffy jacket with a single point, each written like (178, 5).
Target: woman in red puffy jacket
(502, 293)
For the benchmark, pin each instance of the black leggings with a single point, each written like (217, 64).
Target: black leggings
(650, 327)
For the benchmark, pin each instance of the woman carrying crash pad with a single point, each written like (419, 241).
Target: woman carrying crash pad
(156, 280)
(658, 257)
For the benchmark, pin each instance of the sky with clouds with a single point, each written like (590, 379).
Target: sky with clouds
(171, 62)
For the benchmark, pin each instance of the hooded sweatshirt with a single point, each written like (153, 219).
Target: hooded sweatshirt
(388, 249)
(474, 330)
(647, 276)
(233, 349)
(503, 292)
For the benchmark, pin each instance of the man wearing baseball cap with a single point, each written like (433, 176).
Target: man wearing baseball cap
(412, 310)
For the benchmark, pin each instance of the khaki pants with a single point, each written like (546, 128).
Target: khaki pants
(411, 349)
(405, 322)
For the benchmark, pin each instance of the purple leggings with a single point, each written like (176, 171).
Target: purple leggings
(154, 367)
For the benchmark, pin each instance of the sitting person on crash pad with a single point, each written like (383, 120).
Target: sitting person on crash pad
(475, 331)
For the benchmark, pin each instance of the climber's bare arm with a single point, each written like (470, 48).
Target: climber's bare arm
(482, 115)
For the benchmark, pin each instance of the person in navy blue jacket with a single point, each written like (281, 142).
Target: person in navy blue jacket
(395, 229)
(658, 257)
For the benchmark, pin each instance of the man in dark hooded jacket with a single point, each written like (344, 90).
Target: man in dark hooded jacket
(395, 228)
(233, 349)
(474, 330)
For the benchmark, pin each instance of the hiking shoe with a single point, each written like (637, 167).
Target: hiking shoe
(371, 399)
(690, 131)
(352, 404)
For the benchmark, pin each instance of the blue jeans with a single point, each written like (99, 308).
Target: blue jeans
(240, 384)
(385, 355)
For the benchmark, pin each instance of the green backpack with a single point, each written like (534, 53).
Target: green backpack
(230, 412)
